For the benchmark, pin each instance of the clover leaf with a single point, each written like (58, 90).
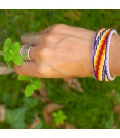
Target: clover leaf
(23, 78)
(29, 90)
(7, 45)
(15, 47)
(11, 57)
(8, 56)
(59, 117)
(11, 53)
(18, 59)
(37, 85)
(10, 64)
(34, 84)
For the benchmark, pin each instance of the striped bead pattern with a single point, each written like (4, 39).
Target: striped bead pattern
(100, 54)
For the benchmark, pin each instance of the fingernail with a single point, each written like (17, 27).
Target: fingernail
(30, 38)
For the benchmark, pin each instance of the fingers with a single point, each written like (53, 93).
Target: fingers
(49, 39)
(27, 68)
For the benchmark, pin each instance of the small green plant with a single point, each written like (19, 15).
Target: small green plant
(11, 57)
(59, 117)
(11, 53)
(34, 84)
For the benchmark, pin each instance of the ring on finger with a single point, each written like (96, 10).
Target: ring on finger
(25, 52)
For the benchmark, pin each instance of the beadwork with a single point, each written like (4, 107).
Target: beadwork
(100, 54)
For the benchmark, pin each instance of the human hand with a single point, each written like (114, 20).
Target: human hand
(61, 51)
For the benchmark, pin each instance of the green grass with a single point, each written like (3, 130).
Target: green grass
(93, 108)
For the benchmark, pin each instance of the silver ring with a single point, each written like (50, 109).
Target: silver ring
(25, 52)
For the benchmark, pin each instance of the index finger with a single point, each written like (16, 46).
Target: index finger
(30, 38)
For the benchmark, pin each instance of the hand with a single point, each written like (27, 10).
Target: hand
(61, 51)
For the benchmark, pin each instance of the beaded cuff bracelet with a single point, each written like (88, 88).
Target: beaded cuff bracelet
(100, 54)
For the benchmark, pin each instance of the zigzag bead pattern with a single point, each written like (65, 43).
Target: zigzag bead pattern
(100, 54)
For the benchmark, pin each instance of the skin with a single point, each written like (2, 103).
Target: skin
(65, 51)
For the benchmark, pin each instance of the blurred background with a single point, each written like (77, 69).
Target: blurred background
(61, 103)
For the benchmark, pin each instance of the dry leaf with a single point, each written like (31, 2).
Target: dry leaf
(4, 69)
(74, 83)
(113, 92)
(65, 125)
(44, 99)
(43, 91)
(2, 113)
(73, 15)
(117, 108)
(36, 121)
(69, 126)
(48, 109)
(114, 126)
(43, 94)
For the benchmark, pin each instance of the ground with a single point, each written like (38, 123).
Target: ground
(90, 104)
